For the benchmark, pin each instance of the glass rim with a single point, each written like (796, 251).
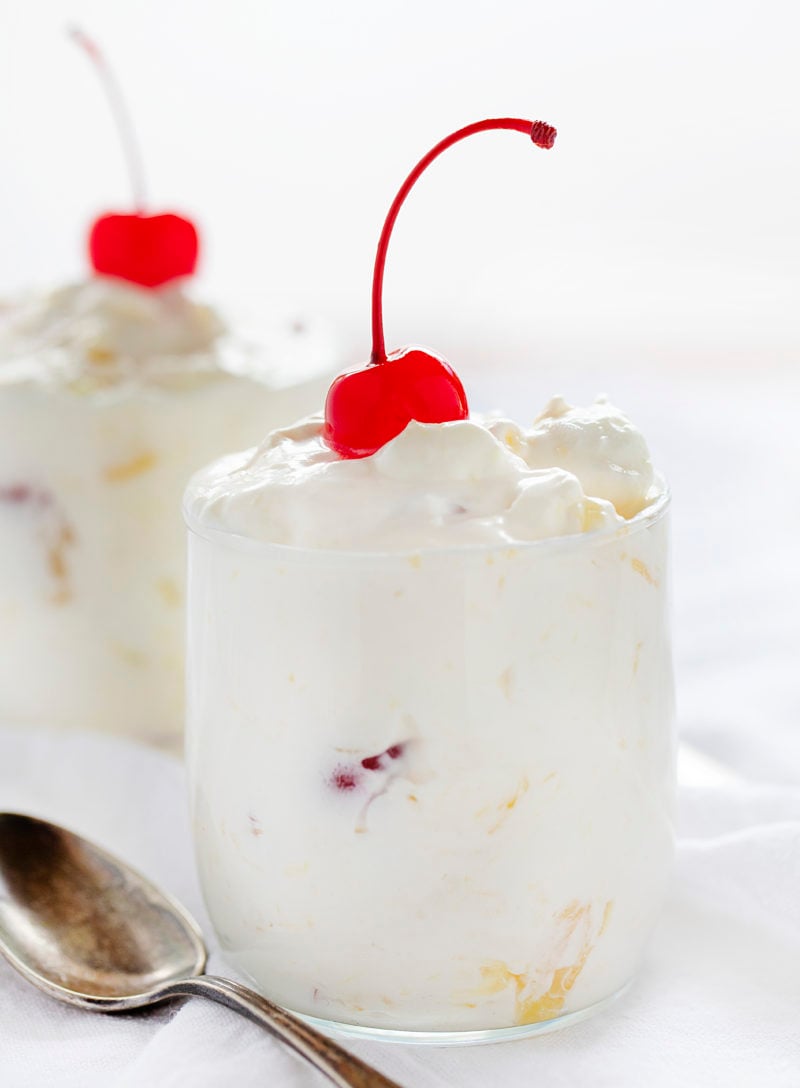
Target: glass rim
(232, 541)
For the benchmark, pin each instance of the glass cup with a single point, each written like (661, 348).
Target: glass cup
(92, 549)
(432, 792)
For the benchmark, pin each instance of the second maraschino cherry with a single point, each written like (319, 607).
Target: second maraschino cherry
(370, 405)
(149, 250)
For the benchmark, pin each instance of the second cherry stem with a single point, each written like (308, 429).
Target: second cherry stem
(120, 115)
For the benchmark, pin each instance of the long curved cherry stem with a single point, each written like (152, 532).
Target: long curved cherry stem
(120, 113)
(542, 134)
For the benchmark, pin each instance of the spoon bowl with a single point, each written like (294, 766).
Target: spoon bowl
(89, 931)
(79, 925)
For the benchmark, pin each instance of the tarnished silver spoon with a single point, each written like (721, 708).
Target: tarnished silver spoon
(91, 932)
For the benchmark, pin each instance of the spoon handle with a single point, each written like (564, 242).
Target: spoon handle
(342, 1068)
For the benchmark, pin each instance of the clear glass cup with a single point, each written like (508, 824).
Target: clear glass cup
(432, 792)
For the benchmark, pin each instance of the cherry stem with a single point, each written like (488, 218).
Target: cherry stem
(120, 114)
(542, 135)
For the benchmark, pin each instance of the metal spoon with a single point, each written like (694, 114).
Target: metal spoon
(91, 932)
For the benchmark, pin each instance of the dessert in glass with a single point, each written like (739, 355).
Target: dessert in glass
(430, 735)
(112, 392)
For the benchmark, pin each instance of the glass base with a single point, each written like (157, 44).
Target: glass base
(460, 1038)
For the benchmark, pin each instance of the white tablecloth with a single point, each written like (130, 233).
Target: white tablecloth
(718, 1002)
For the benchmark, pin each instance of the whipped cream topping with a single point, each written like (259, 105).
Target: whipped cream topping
(102, 326)
(598, 444)
(476, 481)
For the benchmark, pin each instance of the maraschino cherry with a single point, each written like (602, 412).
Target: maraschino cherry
(370, 405)
(150, 250)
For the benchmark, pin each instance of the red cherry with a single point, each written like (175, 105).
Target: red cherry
(16, 494)
(146, 249)
(347, 778)
(344, 779)
(370, 405)
(24, 494)
(375, 763)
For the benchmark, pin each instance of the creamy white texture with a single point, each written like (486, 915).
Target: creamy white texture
(102, 325)
(432, 791)
(447, 484)
(110, 397)
(600, 446)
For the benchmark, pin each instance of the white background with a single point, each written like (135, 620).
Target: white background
(663, 227)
